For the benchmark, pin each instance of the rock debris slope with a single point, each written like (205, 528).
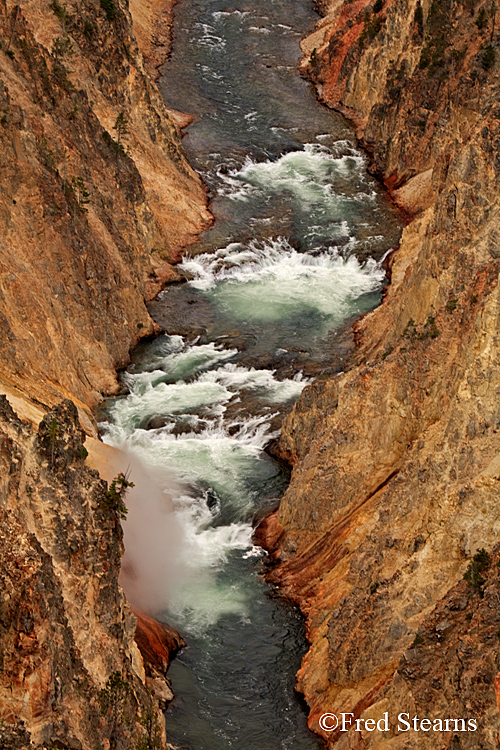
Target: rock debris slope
(396, 480)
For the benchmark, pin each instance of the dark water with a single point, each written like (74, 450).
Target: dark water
(292, 258)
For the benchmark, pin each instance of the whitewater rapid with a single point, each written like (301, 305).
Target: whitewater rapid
(294, 256)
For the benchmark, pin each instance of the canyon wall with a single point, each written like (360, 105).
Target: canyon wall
(96, 201)
(97, 197)
(395, 484)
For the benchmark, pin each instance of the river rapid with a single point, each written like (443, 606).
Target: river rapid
(271, 292)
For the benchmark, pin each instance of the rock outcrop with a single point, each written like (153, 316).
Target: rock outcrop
(396, 461)
(68, 654)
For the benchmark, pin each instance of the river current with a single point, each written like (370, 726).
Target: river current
(272, 289)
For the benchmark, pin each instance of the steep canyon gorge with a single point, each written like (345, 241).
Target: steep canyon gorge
(395, 461)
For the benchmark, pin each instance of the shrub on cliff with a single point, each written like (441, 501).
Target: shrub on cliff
(109, 8)
(480, 562)
(419, 18)
(489, 57)
(115, 496)
(482, 19)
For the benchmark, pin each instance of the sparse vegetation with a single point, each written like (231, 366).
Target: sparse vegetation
(419, 18)
(109, 8)
(52, 434)
(61, 47)
(410, 329)
(480, 562)
(433, 55)
(60, 11)
(378, 5)
(114, 497)
(371, 28)
(489, 57)
(430, 330)
(121, 127)
(451, 305)
(482, 19)
(89, 28)
(80, 193)
(151, 740)
(417, 641)
(112, 700)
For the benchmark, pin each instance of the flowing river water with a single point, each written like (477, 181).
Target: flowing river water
(293, 257)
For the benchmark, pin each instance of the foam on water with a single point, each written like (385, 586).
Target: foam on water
(273, 281)
(218, 462)
(209, 391)
(307, 175)
(174, 360)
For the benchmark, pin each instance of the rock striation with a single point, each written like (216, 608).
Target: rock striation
(396, 463)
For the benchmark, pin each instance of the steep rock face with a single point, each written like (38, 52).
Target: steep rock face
(96, 202)
(396, 467)
(90, 213)
(65, 624)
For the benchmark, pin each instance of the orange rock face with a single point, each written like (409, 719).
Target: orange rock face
(89, 225)
(395, 461)
(158, 643)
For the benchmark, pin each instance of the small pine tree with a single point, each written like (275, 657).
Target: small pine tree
(489, 57)
(480, 562)
(121, 126)
(482, 19)
(114, 497)
(112, 703)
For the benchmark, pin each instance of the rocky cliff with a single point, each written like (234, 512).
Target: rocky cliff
(96, 201)
(72, 676)
(397, 460)
(97, 197)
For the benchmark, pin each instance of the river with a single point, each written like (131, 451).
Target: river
(293, 257)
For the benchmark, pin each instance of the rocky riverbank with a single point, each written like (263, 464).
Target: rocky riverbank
(395, 480)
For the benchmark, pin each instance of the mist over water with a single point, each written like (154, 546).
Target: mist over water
(293, 257)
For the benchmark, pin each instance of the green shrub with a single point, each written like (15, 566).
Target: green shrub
(482, 19)
(489, 57)
(378, 5)
(109, 8)
(114, 497)
(480, 562)
(89, 28)
(419, 18)
(59, 10)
